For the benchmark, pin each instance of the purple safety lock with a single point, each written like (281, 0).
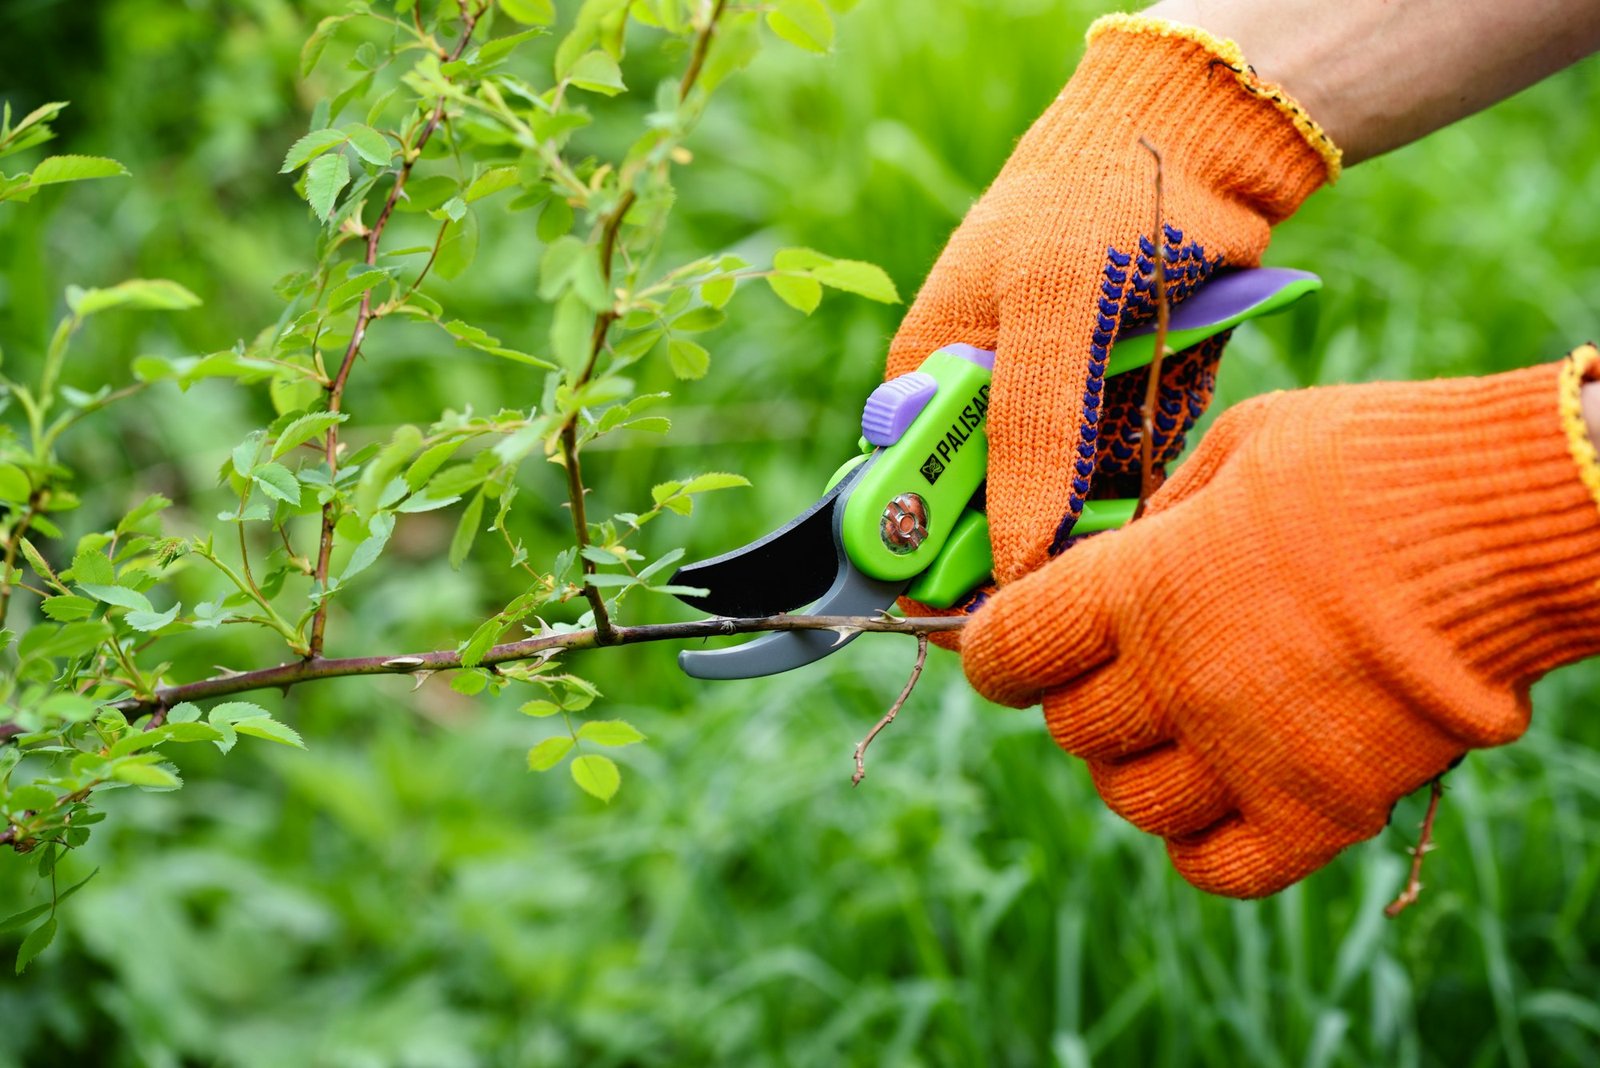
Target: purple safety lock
(894, 404)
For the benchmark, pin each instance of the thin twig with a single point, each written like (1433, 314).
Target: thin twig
(1424, 846)
(1152, 389)
(19, 530)
(364, 317)
(894, 709)
(610, 229)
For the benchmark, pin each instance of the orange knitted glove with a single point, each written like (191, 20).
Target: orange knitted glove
(1343, 590)
(1057, 254)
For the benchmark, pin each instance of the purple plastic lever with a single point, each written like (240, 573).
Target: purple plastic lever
(893, 405)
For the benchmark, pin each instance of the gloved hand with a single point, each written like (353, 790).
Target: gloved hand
(1342, 591)
(1056, 255)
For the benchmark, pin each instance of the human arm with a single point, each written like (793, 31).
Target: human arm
(1379, 74)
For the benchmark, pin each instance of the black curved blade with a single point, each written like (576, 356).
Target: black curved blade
(791, 567)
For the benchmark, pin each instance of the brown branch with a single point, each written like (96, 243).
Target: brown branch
(1152, 389)
(1424, 846)
(697, 59)
(894, 709)
(295, 672)
(364, 317)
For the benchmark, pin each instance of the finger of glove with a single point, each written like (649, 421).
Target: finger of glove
(1221, 443)
(1043, 630)
(1044, 418)
(1167, 790)
(954, 306)
(1188, 379)
(1241, 858)
(1108, 714)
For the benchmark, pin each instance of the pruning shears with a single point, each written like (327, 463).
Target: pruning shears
(897, 518)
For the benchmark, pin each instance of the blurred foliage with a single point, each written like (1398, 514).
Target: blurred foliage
(405, 893)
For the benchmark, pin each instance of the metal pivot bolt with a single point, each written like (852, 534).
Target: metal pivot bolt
(905, 523)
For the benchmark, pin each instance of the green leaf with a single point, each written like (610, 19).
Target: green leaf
(540, 708)
(458, 249)
(156, 294)
(146, 508)
(571, 332)
(555, 220)
(346, 292)
(718, 291)
(370, 145)
(530, 12)
(312, 50)
(270, 729)
(688, 359)
(14, 484)
(149, 621)
(797, 291)
(26, 916)
(490, 181)
(612, 732)
(225, 715)
(326, 176)
(855, 276)
(67, 609)
(277, 482)
(379, 528)
(58, 169)
(697, 320)
(310, 147)
(597, 775)
(425, 466)
(146, 775)
(714, 480)
(120, 596)
(92, 566)
(466, 531)
(598, 73)
(548, 753)
(806, 23)
(304, 429)
(37, 941)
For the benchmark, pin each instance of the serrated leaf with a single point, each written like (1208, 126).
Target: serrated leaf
(481, 642)
(304, 429)
(697, 320)
(67, 608)
(597, 72)
(379, 528)
(612, 732)
(149, 621)
(326, 176)
(57, 169)
(370, 145)
(269, 729)
(120, 596)
(310, 147)
(317, 43)
(718, 291)
(466, 531)
(155, 294)
(146, 775)
(798, 291)
(597, 775)
(806, 23)
(26, 916)
(35, 943)
(277, 482)
(689, 359)
(490, 181)
(548, 753)
(540, 708)
(856, 276)
(714, 480)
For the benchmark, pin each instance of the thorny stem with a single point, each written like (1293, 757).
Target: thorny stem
(606, 632)
(364, 317)
(1424, 846)
(894, 709)
(1152, 389)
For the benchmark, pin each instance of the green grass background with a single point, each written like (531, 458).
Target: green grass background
(406, 894)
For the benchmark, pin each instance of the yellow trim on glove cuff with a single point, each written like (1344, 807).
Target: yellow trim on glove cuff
(1232, 58)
